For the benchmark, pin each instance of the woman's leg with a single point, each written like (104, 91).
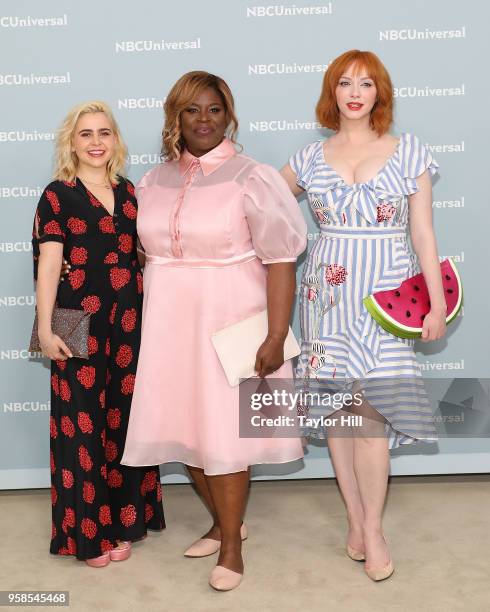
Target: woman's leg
(197, 475)
(341, 448)
(371, 466)
(229, 493)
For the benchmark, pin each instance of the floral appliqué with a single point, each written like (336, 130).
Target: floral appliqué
(385, 212)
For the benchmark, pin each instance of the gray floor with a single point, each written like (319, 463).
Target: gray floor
(438, 529)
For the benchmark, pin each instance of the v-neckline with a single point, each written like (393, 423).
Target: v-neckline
(97, 199)
(351, 185)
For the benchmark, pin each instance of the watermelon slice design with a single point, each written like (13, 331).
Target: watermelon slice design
(401, 311)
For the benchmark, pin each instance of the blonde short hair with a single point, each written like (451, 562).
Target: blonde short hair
(180, 96)
(66, 161)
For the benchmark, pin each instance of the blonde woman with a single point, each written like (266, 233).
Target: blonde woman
(221, 234)
(87, 215)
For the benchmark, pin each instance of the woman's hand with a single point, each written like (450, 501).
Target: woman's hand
(434, 326)
(53, 347)
(270, 356)
(65, 268)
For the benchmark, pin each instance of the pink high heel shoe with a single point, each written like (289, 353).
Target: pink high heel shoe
(207, 546)
(101, 561)
(224, 579)
(122, 552)
(381, 573)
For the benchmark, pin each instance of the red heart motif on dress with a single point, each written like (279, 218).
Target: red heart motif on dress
(53, 200)
(106, 225)
(78, 256)
(76, 225)
(119, 277)
(76, 278)
(129, 209)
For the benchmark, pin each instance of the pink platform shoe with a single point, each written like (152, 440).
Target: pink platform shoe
(122, 552)
(101, 561)
(207, 546)
(224, 579)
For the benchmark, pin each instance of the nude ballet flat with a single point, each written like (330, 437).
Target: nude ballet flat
(380, 573)
(224, 579)
(101, 561)
(207, 546)
(122, 552)
(355, 555)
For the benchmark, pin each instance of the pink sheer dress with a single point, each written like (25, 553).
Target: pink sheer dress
(208, 226)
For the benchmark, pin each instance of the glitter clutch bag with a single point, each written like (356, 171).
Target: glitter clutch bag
(72, 326)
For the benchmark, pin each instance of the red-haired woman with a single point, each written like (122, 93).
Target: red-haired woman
(365, 188)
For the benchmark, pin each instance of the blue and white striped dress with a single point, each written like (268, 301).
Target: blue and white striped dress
(362, 249)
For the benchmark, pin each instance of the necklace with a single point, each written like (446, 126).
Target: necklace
(97, 184)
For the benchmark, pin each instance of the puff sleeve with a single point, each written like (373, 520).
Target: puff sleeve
(415, 160)
(49, 220)
(303, 163)
(274, 217)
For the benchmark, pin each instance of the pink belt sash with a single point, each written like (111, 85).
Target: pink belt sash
(175, 262)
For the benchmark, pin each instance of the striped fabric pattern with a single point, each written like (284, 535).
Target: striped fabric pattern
(363, 248)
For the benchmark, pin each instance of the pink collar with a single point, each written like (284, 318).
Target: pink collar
(211, 161)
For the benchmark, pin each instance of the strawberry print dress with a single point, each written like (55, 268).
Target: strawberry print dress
(95, 499)
(362, 248)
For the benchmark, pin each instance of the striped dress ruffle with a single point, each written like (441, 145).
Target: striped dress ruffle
(363, 248)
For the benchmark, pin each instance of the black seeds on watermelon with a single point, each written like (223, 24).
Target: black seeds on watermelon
(408, 313)
(449, 290)
(397, 293)
(414, 301)
(390, 306)
(448, 277)
(416, 287)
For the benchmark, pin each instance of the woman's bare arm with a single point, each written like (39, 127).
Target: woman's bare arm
(290, 177)
(281, 284)
(425, 246)
(48, 276)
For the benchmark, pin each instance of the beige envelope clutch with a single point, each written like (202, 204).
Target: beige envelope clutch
(237, 346)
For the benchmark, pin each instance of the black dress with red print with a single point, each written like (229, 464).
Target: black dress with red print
(96, 500)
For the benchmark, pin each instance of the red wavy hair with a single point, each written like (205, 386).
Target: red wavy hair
(327, 111)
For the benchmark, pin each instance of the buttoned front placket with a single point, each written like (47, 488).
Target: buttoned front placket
(175, 215)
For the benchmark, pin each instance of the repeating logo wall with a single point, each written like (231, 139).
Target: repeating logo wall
(274, 56)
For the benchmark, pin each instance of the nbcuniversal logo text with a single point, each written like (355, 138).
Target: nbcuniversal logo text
(26, 406)
(430, 366)
(459, 203)
(426, 34)
(15, 354)
(145, 46)
(144, 159)
(288, 10)
(15, 247)
(140, 103)
(282, 125)
(20, 192)
(294, 68)
(35, 79)
(12, 301)
(457, 147)
(23, 136)
(412, 91)
(14, 21)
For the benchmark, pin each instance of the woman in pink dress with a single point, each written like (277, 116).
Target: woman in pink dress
(221, 234)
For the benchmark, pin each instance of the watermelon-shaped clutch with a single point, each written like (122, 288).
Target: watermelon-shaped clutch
(402, 311)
